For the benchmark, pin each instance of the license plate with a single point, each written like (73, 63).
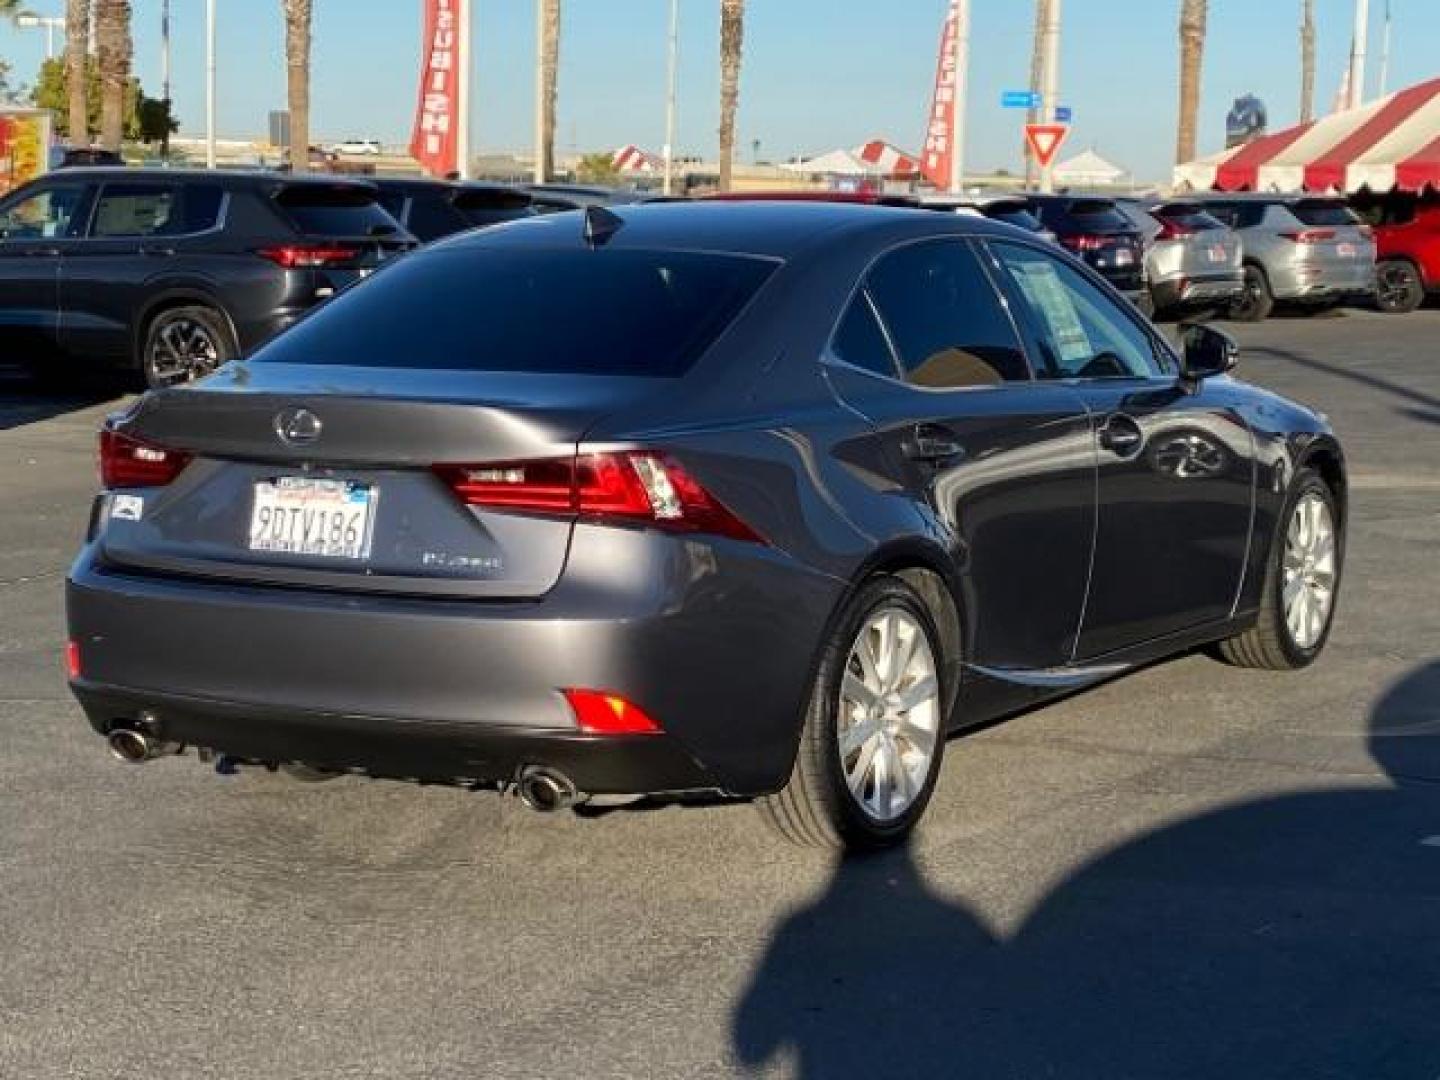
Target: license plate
(1217, 254)
(1124, 257)
(1347, 251)
(296, 515)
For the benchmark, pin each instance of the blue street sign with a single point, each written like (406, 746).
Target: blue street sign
(1020, 99)
(1064, 114)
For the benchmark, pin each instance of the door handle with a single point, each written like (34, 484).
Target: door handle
(932, 444)
(1122, 436)
(44, 253)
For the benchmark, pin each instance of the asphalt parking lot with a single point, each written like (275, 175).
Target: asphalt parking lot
(1192, 872)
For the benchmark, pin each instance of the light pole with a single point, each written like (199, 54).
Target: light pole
(49, 23)
(210, 84)
(670, 84)
(1357, 53)
(1385, 51)
(1051, 89)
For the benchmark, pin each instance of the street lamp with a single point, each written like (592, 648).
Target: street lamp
(28, 20)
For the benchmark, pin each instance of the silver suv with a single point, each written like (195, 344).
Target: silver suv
(1309, 250)
(1192, 260)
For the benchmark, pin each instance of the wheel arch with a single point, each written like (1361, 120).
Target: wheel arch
(169, 298)
(1323, 454)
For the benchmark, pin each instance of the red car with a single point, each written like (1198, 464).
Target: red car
(1407, 241)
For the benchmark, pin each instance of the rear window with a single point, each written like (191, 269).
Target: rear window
(552, 311)
(341, 211)
(1099, 215)
(1191, 217)
(1324, 213)
(493, 207)
(1018, 216)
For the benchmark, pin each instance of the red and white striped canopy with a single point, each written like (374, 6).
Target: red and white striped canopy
(632, 159)
(888, 159)
(1390, 143)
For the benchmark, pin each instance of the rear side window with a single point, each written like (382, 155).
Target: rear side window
(1190, 217)
(945, 317)
(201, 207)
(137, 210)
(1099, 215)
(860, 342)
(1332, 214)
(432, 216)
(347, 211)
(554, 311)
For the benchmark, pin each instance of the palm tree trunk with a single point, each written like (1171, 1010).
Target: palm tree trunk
(1307, 61)
(732, 45)
(1037, 74)
(549, 85)
(298, 21)
(1192, 50)
(115, 49)
(77, 56)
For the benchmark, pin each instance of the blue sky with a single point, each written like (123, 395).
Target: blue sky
(818, 73)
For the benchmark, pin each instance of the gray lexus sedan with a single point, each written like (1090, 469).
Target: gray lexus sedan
(755, 501)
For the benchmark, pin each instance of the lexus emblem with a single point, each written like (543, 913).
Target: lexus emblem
(298, 427)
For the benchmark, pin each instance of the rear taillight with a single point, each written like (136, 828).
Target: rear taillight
(1085, 242)
(1175, 230)
(601, 713)
(126, 462)
(638, 486)
(72, 659)
(1310, 236)
(304, 256)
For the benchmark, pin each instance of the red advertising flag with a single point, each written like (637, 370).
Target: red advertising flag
(939, 157)
(437, 116)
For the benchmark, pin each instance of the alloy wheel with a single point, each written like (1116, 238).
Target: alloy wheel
(1396, 287)
(889, 713)
(1308, 586)
(181, 350)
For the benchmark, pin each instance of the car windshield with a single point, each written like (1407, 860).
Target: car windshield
(540, 310)
(1324, 213)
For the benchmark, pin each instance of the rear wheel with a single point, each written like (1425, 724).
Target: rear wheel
(183, 344)
(1398, 288)
(1301, 582)
(874, 732)
(1255, 301)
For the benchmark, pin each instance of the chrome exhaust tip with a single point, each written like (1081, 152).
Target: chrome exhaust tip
(546, 791)
(135, 747)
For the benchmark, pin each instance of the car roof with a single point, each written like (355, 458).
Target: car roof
(864, 198)
(232, 177)
(774, 229)
(1264, 198)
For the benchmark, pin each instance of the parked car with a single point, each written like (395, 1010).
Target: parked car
(174, 272)
(822, 195)
(1304, 249)
(1011, 209)
(557, 197)
(715, 501)
(1099, 234)
(430, 209)
(1407, 247)
(358, 147)
(1192, 260)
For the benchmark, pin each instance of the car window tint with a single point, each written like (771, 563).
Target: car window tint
(340, 211)
(201, 207)
(581, 312)
(1018, 216)
(1324, 213)
(432, 216)
(1099, 215)
(860, 341)
(394, 204)
(945, 317)
(1083, 333)
(136, 210)
(44, 215)
(1192, 217)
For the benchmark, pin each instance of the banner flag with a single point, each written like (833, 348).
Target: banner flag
(435, 141)
(939, 157)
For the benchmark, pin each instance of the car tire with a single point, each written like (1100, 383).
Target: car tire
(1273, 643)
(833, 799)
(1398, 287)
(1256, 301)
(185, 343)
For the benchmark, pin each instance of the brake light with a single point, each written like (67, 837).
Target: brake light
(637, 485)
(72, 659)
(127, 462)
(1310, 236)
(306, 256)
(601, 713)
(1085, 242)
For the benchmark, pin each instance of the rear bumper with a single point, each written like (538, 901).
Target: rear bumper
(1181, 291)
(1317, 284)
(716, 642)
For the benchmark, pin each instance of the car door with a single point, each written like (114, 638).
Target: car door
(34, 226)
(1004, 463)
(131, 239)
(1176, 468)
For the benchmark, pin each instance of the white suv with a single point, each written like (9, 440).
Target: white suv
(358, 146)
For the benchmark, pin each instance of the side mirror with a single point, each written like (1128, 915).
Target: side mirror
(1205, 352)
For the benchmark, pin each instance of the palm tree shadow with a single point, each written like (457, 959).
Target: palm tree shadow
(1297, 936)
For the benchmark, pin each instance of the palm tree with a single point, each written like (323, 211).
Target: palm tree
(77, 55)
(298, 19)
(732, 45)
(1307, 61)
(549, 60)
(1192, 50)
(115, 51)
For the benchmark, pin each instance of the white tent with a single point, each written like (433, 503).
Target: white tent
(1087, 169)
(835, 163)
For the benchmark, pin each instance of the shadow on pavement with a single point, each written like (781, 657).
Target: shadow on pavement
(25, 402)
(1290, 937)
(1429, 403)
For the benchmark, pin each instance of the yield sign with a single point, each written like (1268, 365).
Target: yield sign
(1045, 140)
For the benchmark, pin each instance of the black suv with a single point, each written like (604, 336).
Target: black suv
(430, 209)
(1096, 231)
(174, 272)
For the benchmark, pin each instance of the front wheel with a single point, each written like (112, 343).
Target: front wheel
(1301, 582)
(1398, 288)
(874, 732)
(1255, 301)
